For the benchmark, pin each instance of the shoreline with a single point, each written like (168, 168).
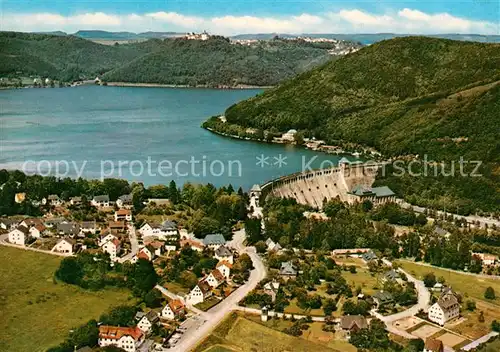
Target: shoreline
(161, 85)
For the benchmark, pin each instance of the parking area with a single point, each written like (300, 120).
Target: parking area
(407, 323)
(425, 331)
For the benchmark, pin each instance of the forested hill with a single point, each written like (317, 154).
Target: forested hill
(403, 96)
(213, 62)
(218, 62)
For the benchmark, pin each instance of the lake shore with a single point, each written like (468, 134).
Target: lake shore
(160, 85)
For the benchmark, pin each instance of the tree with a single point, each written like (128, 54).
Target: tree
(153, 299)
(470, 305)
(495, 325)
(261, 247)
(481, 317)
(489, 293)
(143, 278)
(119, 316)
(70, 271)
(329, 306)
(429, 280)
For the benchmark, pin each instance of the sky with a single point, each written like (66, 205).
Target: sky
(229, 17)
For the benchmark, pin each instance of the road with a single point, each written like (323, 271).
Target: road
(424, 299)
(4, 241)
(134, 244)
(482, 276)
(210, 319)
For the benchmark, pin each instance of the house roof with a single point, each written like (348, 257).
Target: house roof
(40, 227)
(68, 240)
(116, 332)
(152, 316)
(217, 275)
(344, 160)
(116, 224)
(255, 188)
(383, 296)
(347, 322)
(101, 198)
(143, 255)
(223, 251)
(383, 191)
(126, 198)
(369, 256)
(190, 242)
(176, 305)
(32, 221)
(224, 262)
(169, 225)
(53, 197)
(434, 345)
(214, 239)
(287, 268)
(68, 228)
(269, 241)
(23, 229)
(440, 231)
(204, 286)
(89, 224)
(76, 199)
(447, 300)
(8, 221)
(392, 275)
(123, 212)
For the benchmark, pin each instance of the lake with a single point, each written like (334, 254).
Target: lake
(151, 135)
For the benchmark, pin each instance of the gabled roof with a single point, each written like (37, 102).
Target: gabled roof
(67, 240)
(53, 197)
(369, 256)
(116, 332)
(116, 224)
(123, 212)
(23, 229)
(126, 198)
(223, 251)
(89, 224)
(214, 239)
(176, 305)
(217, 275)
(168, 225)
(383, 191)
(101, 198)
(224, 262)
(152, 316)
(347, 322)
(392, 275)
(287, 268)
(447, 300)
(383, 296)
(204, 286)
(40, 227)
(69, 228)
(255, 188)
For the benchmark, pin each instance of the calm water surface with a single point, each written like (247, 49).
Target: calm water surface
(95, 128)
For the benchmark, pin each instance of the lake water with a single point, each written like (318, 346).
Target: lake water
(151, 135)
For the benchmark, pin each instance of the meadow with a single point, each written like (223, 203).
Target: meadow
(37, 311)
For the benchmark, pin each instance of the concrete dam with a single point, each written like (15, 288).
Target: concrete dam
(349, 182)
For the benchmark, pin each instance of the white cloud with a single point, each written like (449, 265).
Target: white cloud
(344, 21)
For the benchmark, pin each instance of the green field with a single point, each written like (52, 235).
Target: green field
(237, 333)
(468, 285)
(38, 313)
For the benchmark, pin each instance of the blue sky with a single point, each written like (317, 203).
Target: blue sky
(253, 16)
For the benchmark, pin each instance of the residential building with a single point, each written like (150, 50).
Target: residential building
(382, 298)
(193, 244)
(54, 200)
(38, 230)
(199, 293)
(88, 227)
(225, 268)
(271, 288)
(445, 309)
(223, 253)
(173, 310)
(75, 200)
(148, 320)
(118, 226)
(128, 339)
(289, 136)
(70, 229)
(30, 222)
(123, 215)
(369, 256)
(65, 245)
(125, 201)
(433, 345)
(288, 270)
(101, 201)
(487, 259)
(214, 241)
(105, 237)
(352, 323)
(164, 231)
(8, 224)
(273, 246)
(54, 221)
(19, 235)
(215, 278)
(391, 275)
(155, 247)
(112, 247)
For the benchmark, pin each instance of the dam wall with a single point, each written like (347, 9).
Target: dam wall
(314, 186)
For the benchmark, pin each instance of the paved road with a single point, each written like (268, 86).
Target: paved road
(214, 316)
(424, 299)
(134, 244)
(482, 276)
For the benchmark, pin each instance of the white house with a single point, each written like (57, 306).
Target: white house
(273, 246)
(75, 200)
(88, 227)
(174, 309)
(194, 245)
(199, 293)
(223, 253)
(65, 245)
(38, 230)
(8, 224)
(214, 241)
(215, 278)
(125, 201)
(19, 235)
(225, 268)
(106, 237)
(100, 201)
(147, 321)
(487, 259)
(289, 136)
(54, 200)
(128, 339)
(112, 247)
(445, 309)
(164, 231)
(123, 215)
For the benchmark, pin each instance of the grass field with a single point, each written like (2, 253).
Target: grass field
(472, 327)
(363, 279)
(38, 313)
(237, 333)
(468, 285)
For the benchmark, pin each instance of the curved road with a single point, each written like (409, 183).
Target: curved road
(210, 319)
